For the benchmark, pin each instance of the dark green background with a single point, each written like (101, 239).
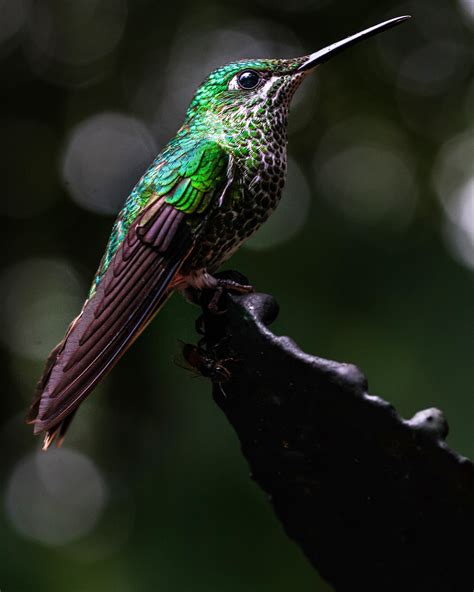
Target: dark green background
(379, 274)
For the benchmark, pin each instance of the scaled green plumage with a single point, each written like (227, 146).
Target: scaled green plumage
(186, 174)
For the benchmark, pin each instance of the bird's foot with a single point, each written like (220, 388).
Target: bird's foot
(206, 290)
(224, 285)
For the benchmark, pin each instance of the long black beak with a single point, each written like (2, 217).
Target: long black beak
(331, 50)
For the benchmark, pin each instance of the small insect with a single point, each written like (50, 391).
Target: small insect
(198, 360)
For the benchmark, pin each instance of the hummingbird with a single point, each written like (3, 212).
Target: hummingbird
(207, 191)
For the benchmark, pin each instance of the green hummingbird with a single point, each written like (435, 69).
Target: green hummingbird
(206, 192)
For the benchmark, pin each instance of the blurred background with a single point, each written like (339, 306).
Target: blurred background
(371, 257)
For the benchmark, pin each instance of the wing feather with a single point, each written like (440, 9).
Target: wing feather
(134, 280)
(138, 282)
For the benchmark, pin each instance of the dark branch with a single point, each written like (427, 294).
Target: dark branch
(376, 503)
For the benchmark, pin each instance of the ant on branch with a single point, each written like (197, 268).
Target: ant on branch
(200, 362)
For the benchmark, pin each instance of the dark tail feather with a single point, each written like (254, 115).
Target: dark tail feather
(58, 432)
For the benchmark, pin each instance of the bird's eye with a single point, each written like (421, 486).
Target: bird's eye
(248, 79)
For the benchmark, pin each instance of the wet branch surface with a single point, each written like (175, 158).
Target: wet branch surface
(376, 503)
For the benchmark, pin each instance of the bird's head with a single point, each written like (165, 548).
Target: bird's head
(257, 92)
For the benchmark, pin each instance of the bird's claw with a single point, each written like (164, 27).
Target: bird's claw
(226, 285)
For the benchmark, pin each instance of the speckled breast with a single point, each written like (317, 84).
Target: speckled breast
(249, 202)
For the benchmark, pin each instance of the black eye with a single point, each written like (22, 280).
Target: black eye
(248, 79)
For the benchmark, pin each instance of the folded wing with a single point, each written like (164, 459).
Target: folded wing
(135, 285)
(134, 280)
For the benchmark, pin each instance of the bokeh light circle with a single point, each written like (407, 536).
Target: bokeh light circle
(290, 215)
(72, 43)
(40, 298)
(453, 179)
(104, 158)
(363, 170)
(55, 498)
(468, 8)
(431, 68)
(80, 32)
